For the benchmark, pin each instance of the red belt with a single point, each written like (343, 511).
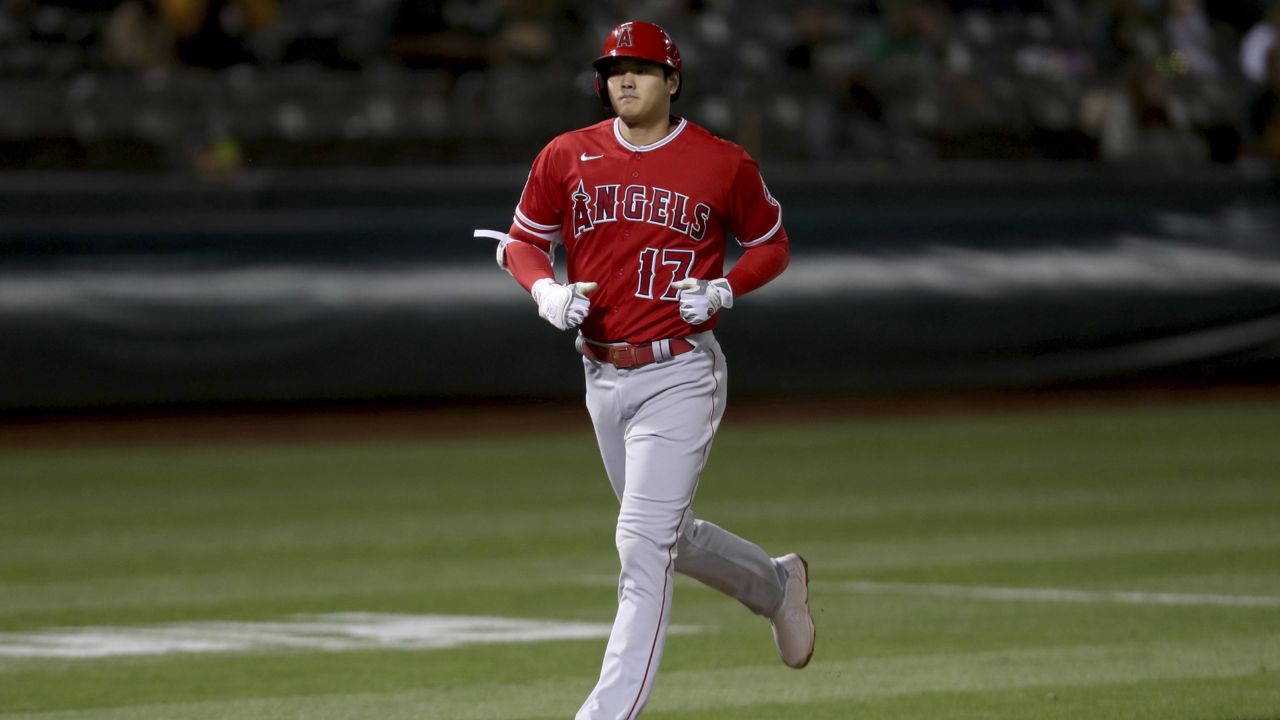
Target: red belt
(629, 356)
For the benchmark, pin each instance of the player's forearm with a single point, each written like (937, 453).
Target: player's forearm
(527, 264)
(758, 265)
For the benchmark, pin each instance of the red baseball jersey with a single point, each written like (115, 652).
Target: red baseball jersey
(636, 218)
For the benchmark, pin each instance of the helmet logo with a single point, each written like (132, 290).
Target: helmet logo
(624, 35)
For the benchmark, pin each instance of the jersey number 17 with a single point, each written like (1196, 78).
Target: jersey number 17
(651, 259)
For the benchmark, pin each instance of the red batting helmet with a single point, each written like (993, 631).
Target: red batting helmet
(640, 40)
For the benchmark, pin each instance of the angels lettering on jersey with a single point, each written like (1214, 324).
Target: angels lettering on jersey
(601, 204)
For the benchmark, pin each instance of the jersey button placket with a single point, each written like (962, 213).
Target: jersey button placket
(626, 230)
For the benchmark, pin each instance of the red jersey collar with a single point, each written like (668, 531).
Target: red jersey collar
(617, 133)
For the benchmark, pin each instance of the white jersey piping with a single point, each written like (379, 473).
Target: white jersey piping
(617, 133)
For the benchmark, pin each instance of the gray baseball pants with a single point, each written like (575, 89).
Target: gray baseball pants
(655, 425)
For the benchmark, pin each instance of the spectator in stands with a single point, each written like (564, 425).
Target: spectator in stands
(842, 115)
(215, 33)
(443, 36)
(1270, 144)
(998, 6)
(1140, 120)
(1259, 53)
(136, 38)
(1128, 30)
(1238, 15)
(1191, 39)
(909, 29)
(1199, 49)
(901, 57)
(1257, 43)
(531, 31)
(16, 12)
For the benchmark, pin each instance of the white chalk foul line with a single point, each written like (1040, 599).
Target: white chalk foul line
(1058, 595)
(332, 632)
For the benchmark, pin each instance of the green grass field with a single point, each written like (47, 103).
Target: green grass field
(1083, 562)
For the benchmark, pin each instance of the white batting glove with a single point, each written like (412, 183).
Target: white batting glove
(700, 299)
(564, 306)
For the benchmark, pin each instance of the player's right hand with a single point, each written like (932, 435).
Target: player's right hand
(564, 306)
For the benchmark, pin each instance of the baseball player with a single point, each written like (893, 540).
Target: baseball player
(642, 205)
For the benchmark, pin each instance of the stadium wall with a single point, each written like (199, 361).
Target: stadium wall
(366, 286)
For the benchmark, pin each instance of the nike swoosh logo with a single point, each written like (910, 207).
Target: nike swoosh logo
(585, 157)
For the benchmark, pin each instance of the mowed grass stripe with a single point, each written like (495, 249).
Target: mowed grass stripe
(1250, 697)
(91, 552)
(233, 543)
(743, 687)
(1140, 567)
(1048, 544)
(1054, 595)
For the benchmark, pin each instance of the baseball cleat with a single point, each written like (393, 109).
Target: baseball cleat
(793, 630)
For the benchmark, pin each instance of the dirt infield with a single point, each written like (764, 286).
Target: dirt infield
(434, 420)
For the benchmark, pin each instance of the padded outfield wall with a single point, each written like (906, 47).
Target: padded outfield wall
(360, 286)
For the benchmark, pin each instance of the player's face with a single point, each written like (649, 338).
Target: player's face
(640, 91)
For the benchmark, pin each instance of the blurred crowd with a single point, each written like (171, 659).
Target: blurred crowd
(218, 85)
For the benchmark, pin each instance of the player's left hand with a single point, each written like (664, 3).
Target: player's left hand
(700, 299)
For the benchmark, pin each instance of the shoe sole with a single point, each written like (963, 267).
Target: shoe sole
(813, 632)
(813, 629)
